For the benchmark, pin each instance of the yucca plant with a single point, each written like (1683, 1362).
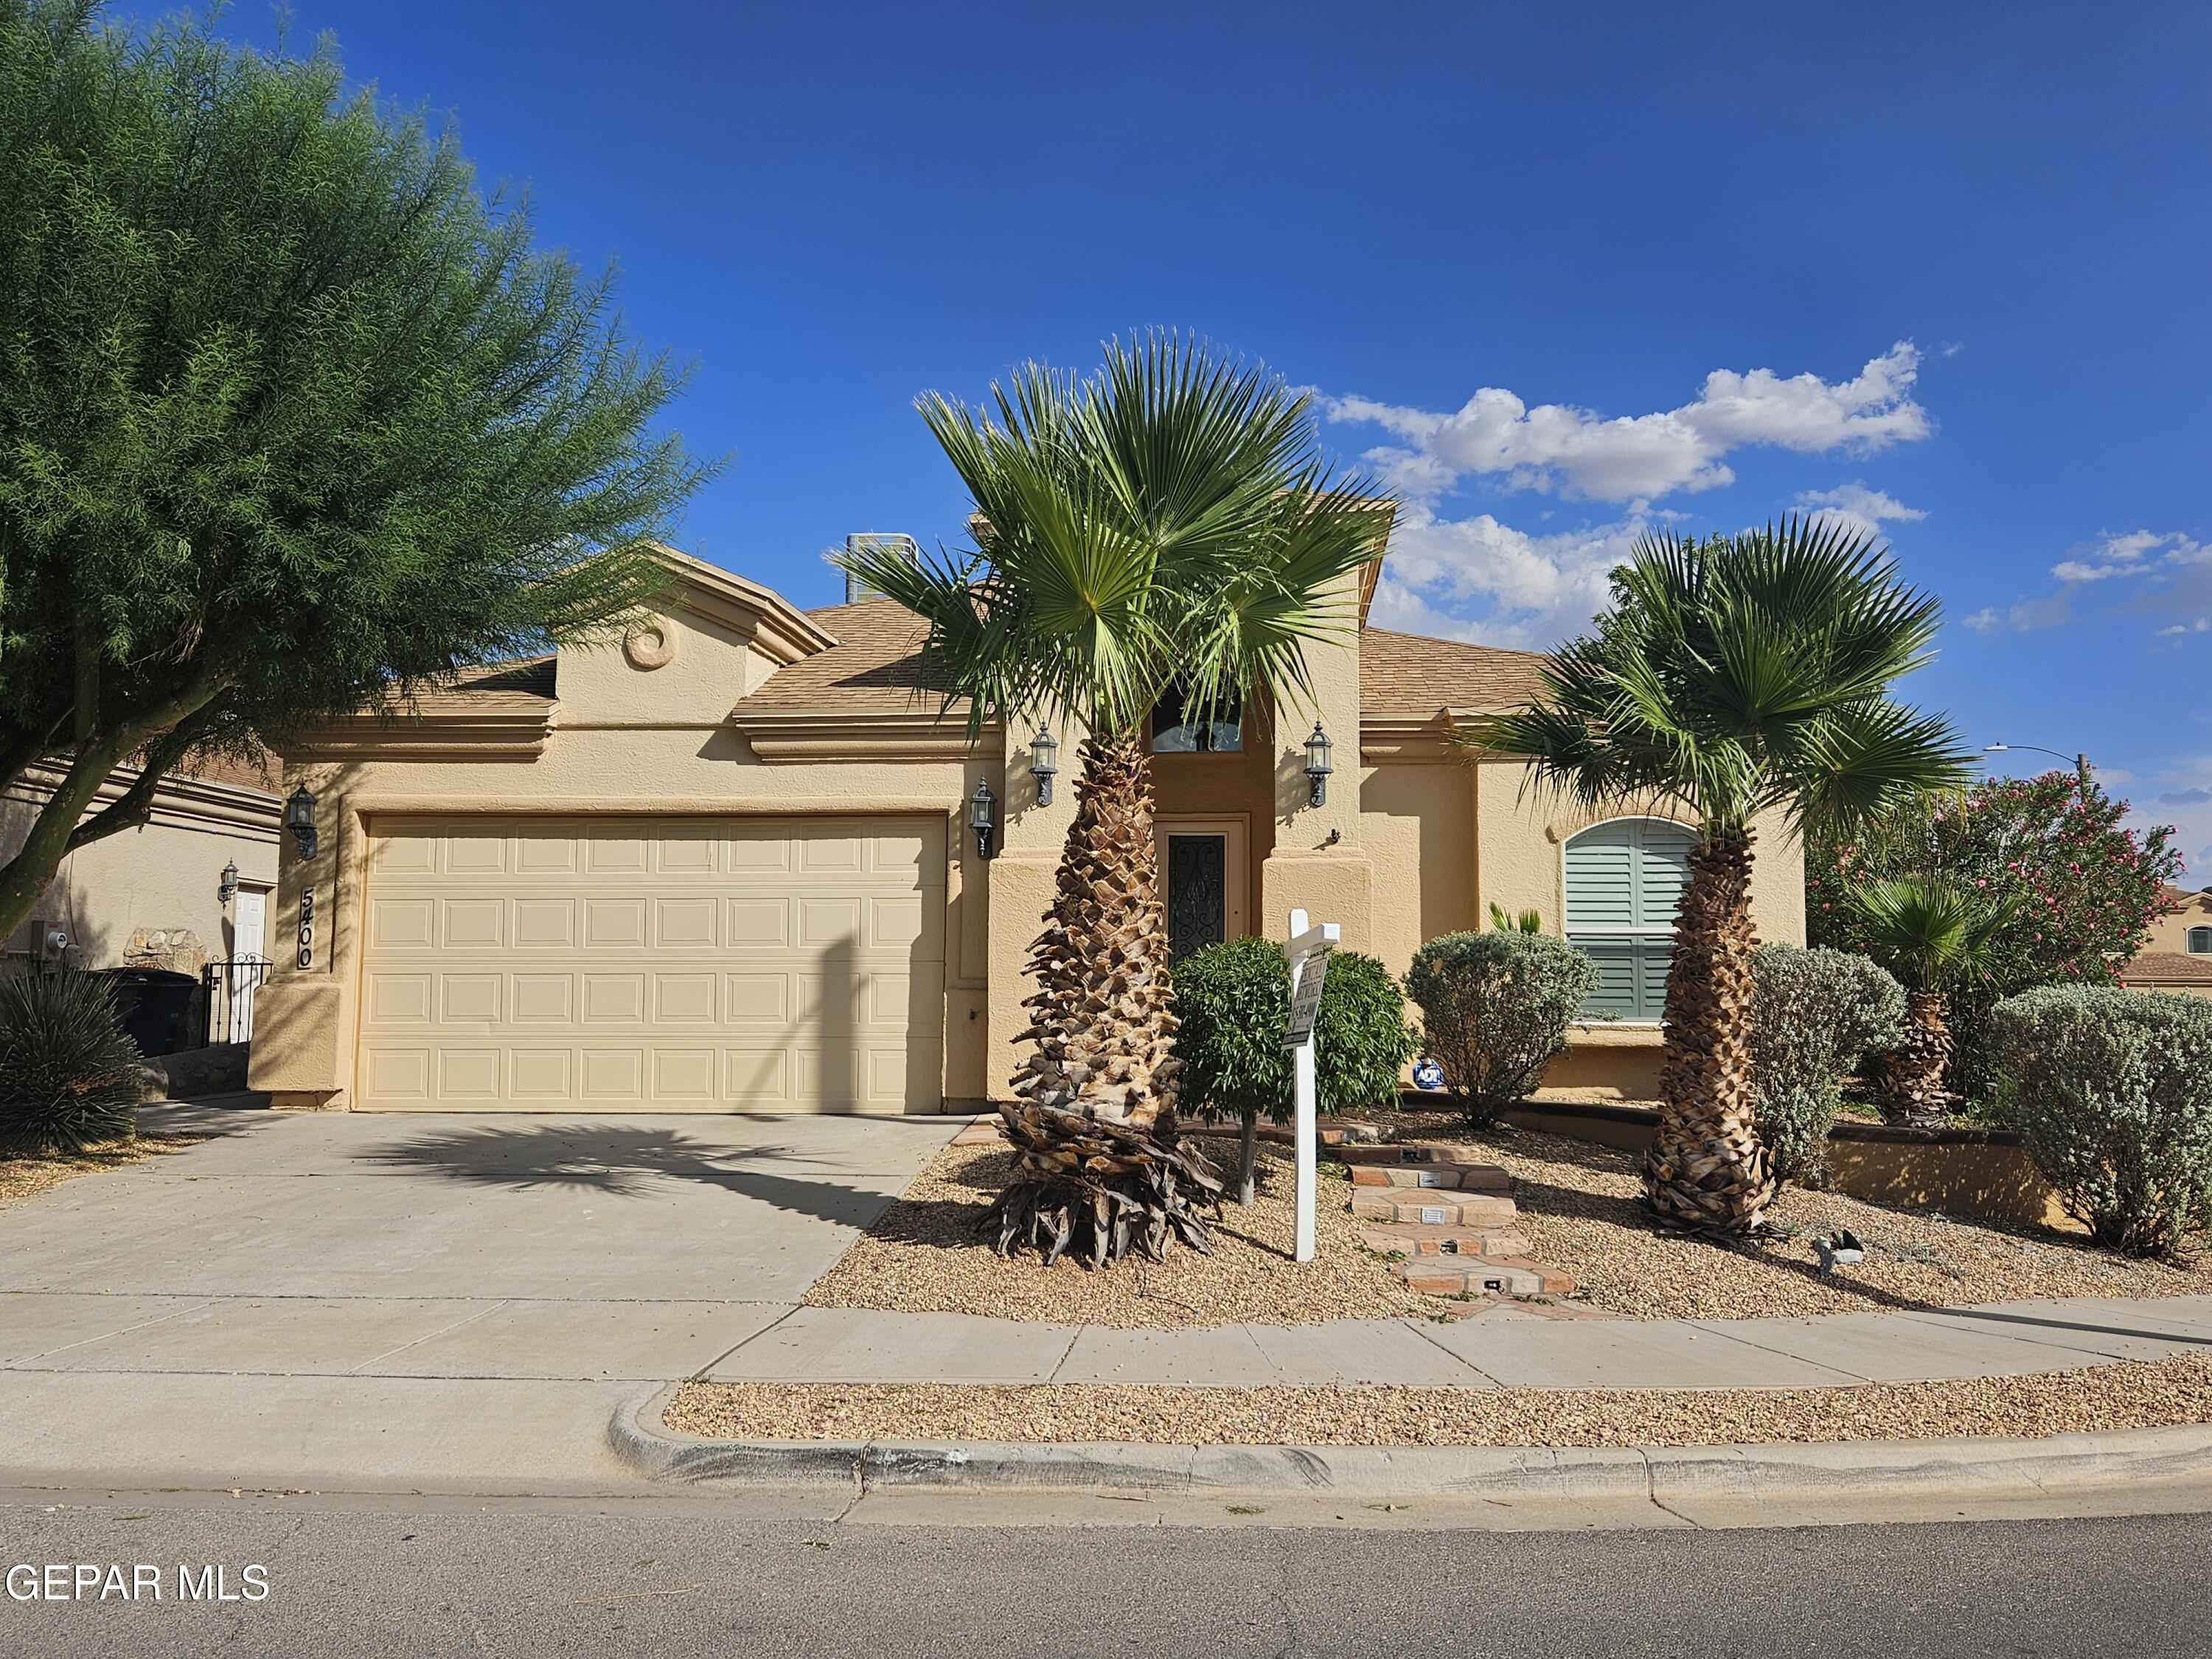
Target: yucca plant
(1166, 525)
(1733, 677)
(70, 1075)
(1934, 934)
(1528, 921)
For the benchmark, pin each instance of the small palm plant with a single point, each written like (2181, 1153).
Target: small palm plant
(1731, 678)
(1166, 526)
(1934, 934)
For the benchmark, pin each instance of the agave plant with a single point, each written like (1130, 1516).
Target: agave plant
(1733, 677)
(70, 1075)
(1934, 934)
(1167, 525)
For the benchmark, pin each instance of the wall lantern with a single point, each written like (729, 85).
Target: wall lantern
(983, 819)
(1318, 749)
(226, 889)
(1044, 764)
(300, 819)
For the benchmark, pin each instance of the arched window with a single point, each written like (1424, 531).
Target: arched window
(1624, 881)
(2200, 941)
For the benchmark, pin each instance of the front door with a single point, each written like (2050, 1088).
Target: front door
(1203, 878)
(248, 913)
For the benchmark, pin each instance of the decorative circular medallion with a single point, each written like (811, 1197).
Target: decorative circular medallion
(651, 644)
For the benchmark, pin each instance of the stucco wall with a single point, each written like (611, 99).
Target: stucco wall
(1417, 820)
(115, 896)
(2171, 933)
(1521, 871)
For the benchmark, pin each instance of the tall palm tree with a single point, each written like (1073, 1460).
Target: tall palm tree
(1165, 525)
(1933, 933)
(1730, 678)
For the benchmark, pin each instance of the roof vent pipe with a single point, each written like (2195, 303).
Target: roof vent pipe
(904, 546)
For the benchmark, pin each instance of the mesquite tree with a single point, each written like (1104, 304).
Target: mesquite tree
(1733, 677)
(292, 420)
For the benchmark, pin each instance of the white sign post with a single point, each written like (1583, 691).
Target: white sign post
(1308, 951)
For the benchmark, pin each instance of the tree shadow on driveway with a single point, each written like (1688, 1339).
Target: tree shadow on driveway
(621, 1161)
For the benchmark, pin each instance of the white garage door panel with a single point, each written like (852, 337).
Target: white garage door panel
(713, 966)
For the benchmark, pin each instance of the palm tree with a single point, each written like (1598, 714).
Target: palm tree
(1166, 525)
(1731, 678)
(1932, 933)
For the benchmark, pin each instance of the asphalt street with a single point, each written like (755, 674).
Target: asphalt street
(397, 1577)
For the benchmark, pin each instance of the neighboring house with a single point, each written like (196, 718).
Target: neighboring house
(154, 896)
(2178, 955)
(730, 865)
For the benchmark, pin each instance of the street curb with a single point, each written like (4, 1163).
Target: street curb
(1660, 1474)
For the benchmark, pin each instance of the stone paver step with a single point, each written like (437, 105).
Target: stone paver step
(1465, 1177)
(1414, 1240)
(1428, 1206)
(1414, 1152)
(1507, 1276)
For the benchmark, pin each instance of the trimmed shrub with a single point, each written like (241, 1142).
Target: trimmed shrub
(1818, 1013)
(1232, 1001)
(2111, 1093)
(1495, 1008)
(69, 1075)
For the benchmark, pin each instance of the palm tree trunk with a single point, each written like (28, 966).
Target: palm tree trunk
(1706, 1168)
(1098, 1166)
(1913, 1092)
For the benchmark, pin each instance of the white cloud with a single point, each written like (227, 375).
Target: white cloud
(1477, 579)
(2151, 573)
(1860, 508)
(1495, 435)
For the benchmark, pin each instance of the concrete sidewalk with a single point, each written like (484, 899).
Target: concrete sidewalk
(850, 1344)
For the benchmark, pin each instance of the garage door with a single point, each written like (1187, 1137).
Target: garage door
(653, 964)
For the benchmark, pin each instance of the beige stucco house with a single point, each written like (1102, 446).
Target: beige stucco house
(156, 895)
(2178, 954)
(728, 866)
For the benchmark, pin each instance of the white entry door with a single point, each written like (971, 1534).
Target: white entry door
(249, 917)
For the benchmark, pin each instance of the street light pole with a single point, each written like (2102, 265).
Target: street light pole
(2081, 761)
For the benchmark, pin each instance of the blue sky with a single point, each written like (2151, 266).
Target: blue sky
(1942, 266)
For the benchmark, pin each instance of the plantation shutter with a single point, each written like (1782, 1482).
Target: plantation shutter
(1624, 882)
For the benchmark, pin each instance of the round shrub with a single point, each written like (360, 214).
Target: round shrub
(2111, 1093)
(1818, 1013)
(1233, 1000)
(69, 1074)
(1495, 1008)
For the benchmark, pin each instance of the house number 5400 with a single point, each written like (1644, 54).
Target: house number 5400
(307, 957)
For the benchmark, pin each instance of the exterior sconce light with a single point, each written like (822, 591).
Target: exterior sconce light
(1318, 749)
(300, 819)
(983, 819)
(1044, 764)
(226, 889)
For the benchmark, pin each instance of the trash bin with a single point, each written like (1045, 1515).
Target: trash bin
(155, 1006)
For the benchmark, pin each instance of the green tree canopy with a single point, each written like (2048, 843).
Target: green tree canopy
(293, 419)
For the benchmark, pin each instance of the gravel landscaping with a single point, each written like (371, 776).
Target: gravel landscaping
(22, 1174)
(1579, 1205)
(2138, 1395)
(926, 1255)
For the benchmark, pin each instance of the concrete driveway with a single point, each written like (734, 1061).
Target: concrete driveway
(431, 1301)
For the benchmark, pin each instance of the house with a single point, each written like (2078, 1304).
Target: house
(735, 865)
(189, 887)
(2178, 954)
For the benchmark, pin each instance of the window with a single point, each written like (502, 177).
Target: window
(1177, 731)
(1624, 881)
(2200, 941)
